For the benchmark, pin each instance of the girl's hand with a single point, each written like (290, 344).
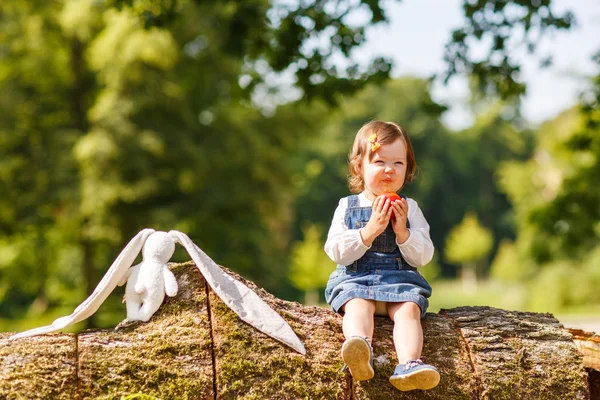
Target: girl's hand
(380, 218)
(400, 210)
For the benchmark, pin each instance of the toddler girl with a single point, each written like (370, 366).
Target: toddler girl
(378, 243)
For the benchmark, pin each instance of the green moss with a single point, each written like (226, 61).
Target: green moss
(167, 357)
(38, 367)
(520, 355)
(251, 365)
(480, 352)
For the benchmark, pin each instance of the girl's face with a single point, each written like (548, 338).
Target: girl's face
(387, 170)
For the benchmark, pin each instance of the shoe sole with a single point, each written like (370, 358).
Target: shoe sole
(356, 353)
(423, 379)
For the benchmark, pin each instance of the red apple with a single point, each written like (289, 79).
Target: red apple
(392, 196)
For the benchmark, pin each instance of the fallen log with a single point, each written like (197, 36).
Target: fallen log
(588, 344)
(195, 347)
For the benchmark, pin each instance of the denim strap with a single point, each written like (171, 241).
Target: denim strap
(353, 201)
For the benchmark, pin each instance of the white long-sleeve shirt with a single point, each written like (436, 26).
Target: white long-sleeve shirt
(344, 245)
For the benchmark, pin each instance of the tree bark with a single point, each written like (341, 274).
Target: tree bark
(588, 344)
(195, 347)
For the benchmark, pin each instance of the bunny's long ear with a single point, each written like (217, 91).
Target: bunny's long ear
(240, 298)
(108, 283)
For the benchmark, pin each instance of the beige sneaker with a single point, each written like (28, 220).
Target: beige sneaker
(358, 356)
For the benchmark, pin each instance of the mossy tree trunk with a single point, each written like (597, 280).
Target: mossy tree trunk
(196, 348)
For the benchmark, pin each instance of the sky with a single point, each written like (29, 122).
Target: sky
(419, 29)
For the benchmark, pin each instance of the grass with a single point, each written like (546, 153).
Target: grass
(450, 293)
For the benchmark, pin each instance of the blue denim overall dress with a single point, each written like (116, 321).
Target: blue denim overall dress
(381, 274)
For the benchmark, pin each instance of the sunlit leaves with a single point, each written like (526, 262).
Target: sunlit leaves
(125, 46)
(509, 265)
(311, 41)
(469, 241)
(310, 266)
(79, 18)
(563, 207)
(502, 28)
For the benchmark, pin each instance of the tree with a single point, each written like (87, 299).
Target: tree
(285, 37)
(557, 222)
(570, 218)
(310, 266)
(503, 28)
(305, 39)
(553, 194)
(123, 114)
(132, 127)
(41, 86)
(509, 265)
(467, 244)
(553, 178)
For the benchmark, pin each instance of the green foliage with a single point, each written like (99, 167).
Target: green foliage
(494, 24)
(448, 294)
(566, 285)
(310, 266)
(36, 172)
(552, 287)
(432, 271)
(553, 194)
(509, 265)
(469, 241)
(109, 127)
(555, 202)
(570, 219)
(303, 39)
(127, 114)
(311, 41)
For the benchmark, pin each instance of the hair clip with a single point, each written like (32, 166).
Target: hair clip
(374, 145)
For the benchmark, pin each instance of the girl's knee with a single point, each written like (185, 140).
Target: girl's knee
(359, 305)
(405, 310)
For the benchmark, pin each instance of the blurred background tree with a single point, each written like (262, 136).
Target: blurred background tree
(468, 244)
(231, 121)
(309, 265)
(508, 266)
(555, 203)
(121, 115)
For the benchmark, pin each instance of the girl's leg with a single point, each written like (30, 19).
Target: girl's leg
(359, 318)
(358, 325)
(411, 373)
(408, 334)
